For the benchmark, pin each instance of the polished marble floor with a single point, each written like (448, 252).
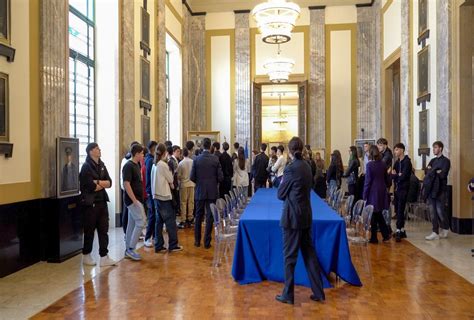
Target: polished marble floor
(413, 280)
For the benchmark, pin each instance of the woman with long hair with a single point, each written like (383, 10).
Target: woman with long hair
(241, 170)
(319, 180)
(296, 222)
(375, 193)
(335, 172)
(161, 186)
(352, 172)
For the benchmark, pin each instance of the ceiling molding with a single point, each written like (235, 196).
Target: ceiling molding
(191, 11)
(361, 5)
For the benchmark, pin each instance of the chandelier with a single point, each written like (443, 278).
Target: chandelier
(279, 68)
(276, 19)
(281, 121)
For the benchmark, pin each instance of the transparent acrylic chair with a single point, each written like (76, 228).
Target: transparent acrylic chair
(352, 218)
(223, 238)
(360, 239)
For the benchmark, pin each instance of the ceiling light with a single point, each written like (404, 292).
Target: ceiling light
(276, 19)
(279, 68)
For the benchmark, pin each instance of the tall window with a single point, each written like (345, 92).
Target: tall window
(167, 94)
(81, 73)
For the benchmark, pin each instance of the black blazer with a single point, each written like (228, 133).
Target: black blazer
(259, 167)
(294, 190)
(226, 165)
(206, 174)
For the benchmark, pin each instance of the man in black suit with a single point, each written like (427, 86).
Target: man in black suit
(259, 168)
(296, 222)
(227, 171)
(206, 174)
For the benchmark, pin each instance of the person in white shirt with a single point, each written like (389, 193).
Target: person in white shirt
(279, 167)
(186, 190)
(161, 186)
(241, 170)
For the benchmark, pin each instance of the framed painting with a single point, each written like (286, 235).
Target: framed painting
(145, 129)
(424, 75)
(4, 130)
(67, 167)
(197, 136)
(423, 31)
(145, 79)
(145, 31)
(423, 122)
(359, 144)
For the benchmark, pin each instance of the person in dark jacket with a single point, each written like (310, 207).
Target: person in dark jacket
(375, 193)
(150, 229)
(386, 153)
(227, 171)
(352, 172)
(259, 168)
(335, 172)
(94, 179)
(438, 168)
(296, 222)
(414, 190)
(401, 173)
(206, 174)
(217, 149)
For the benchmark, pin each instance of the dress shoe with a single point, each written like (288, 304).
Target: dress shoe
(387, 239)
(207, 246)
(403, 234)
(283, 299)
(318, 299)
(197, 245)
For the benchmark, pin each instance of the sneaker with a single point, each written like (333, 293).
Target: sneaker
(162, 250)
(403, 234)
(398, 236)
(87, 260)
(181, 225)
(132, 254)
(178, 248)
(149, 243)
(432, 236)
(107, 261)
(443, 233)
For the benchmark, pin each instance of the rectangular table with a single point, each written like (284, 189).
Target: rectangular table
(258, 252)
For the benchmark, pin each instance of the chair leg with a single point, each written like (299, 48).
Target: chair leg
(216, 260)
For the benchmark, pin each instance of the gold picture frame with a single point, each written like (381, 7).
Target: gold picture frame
(197, 136)
(4, 107)
(424, 75)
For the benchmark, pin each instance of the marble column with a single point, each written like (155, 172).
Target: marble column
(242, 79)
(366, 80)
(317, 81)
(405, 114)
(127, 76)
(443, 59)
(160, 72)
(377, 7)
(194, 70)
(185, 72)
(54, 54)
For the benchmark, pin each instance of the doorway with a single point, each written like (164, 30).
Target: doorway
(392, 102)
(278, 113)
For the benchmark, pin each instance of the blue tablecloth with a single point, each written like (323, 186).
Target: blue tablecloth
(258, 252)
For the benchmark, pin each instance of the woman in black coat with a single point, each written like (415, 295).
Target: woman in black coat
(352, 172)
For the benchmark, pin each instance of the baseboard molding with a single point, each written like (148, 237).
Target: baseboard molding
(462, 226)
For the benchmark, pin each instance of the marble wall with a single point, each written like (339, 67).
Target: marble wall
(443, 91)
(127, 106)
(406, 132)
(317, 81)
(194, 74)
(368, 111)
(160, 72)
(54, 87)
(242, 79)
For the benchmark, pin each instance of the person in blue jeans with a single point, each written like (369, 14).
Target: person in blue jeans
(134, 197)
(161, 186)
(150, 202)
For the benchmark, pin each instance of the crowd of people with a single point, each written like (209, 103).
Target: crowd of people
(168, 187)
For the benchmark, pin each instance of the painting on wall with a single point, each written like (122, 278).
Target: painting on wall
(197, 136)
(424, 75)
(359, 144)
(423, 129)
(145, 31)
(67, 167)
(145, 79)
(423, 31)
(3, 107)
(5, 21)
(145, 130)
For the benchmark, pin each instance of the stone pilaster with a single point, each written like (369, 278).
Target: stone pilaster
(127, 76)
(242, 79)
(377, 7)
(443, 59)
(405, 114)
(317, 81)
(54, 54)
(160, 72)
(194, 74)
(366, 74)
